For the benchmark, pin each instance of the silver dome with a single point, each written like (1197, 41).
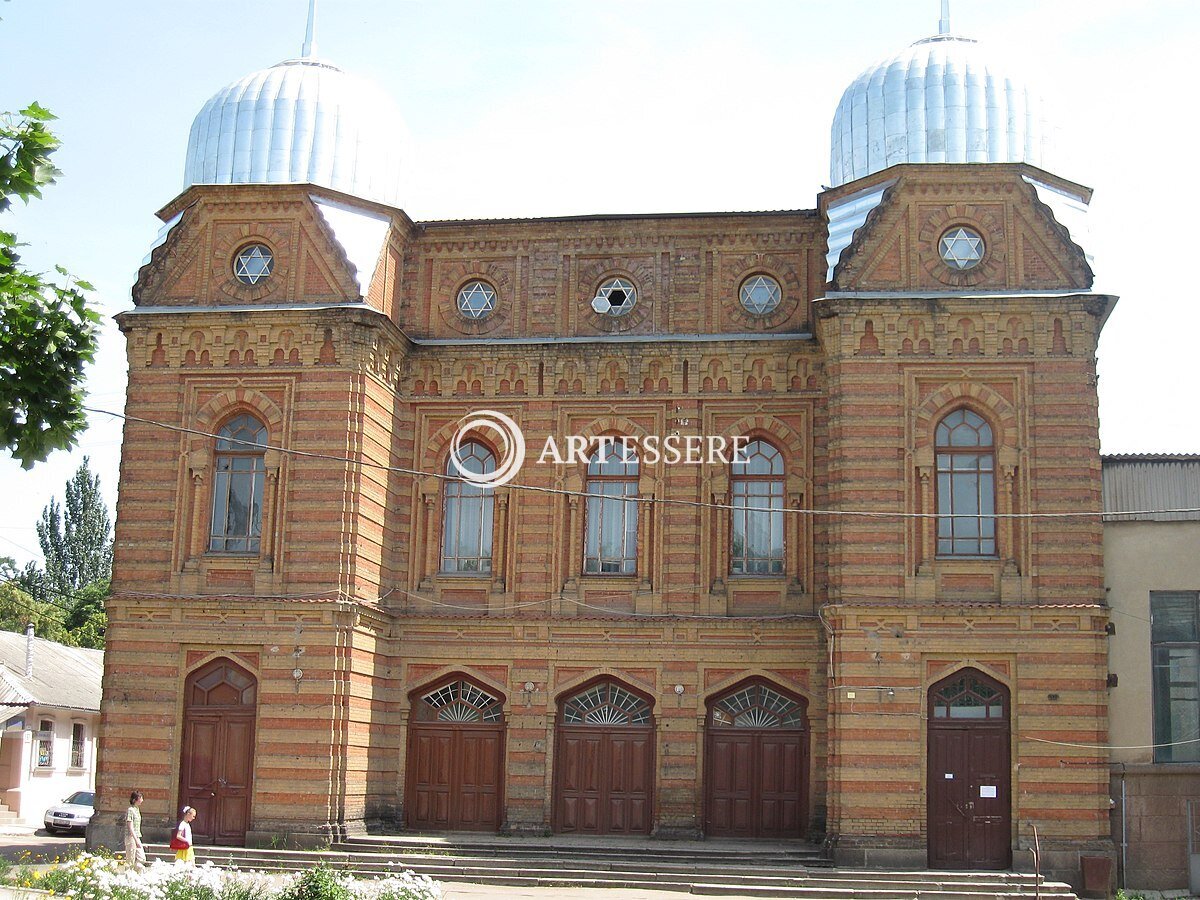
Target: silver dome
(944, 99)
(300, 121)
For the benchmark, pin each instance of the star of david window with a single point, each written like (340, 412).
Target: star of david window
(760, 294)
(757, 706)
(460, 702)
(253, 264)
(476, 299)
(606, 703)
(616, 297)
(961, 248)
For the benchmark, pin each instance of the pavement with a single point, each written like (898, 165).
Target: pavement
(41, 846)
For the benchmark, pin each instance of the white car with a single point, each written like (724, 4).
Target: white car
(72, 814)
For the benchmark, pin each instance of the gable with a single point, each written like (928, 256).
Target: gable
(1024, 247)
(193, 264)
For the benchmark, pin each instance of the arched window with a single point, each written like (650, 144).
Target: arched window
(756, 482)
(757, 705)
(606, 703)
(238, 486)
(467, 513)
(460, 702)
(968, 695)
(610, 543)
(966, 486)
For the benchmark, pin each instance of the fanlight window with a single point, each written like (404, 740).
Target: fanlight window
(467, 519)
(757, 706)
(606, 703)
(966, 486)
(757, 516)
(610, 540)
(968, 697)
(460, 701)
(238, 486)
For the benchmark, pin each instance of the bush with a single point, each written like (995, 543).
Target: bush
(321, 883)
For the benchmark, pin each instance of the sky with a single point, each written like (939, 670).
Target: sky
(560, 107)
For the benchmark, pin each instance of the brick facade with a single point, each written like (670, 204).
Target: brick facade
(848, 380)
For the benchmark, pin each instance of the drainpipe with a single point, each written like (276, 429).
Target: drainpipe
(1124, 839)
(29, 650)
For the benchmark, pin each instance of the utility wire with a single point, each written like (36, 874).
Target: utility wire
(699, 504)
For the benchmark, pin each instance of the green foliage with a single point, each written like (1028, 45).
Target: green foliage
(321, 883)
(17, 609)
(76, 539)
(48, 333)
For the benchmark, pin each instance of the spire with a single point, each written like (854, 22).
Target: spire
(310, 44)
(944, 21)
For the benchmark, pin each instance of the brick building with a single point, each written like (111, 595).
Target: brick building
(861, 629)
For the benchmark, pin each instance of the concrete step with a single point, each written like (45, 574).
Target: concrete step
(558, 868)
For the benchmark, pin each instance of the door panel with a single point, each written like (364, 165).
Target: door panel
(605, 780)
(217, 765)
(969, 801)
(454, 776)
(756, 782)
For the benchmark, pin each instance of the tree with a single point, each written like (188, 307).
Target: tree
(17, 609)
(76, 540)
(48, 333)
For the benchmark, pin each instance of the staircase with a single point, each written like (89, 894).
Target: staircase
(713, 868)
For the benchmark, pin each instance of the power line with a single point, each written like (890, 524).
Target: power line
(698, 504)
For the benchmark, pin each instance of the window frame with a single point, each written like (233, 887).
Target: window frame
(1162, 706)
(78, 748)
(239, 449)
(601, 490)
(458, 491)
(776, 484)
(947, 456)
(44, 743)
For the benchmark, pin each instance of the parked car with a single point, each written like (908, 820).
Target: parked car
(73, 814)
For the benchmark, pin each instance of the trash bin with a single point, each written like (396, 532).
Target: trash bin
(1097, 875)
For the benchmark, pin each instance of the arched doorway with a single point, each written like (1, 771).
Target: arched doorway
(455, 757)
(756, 763)
(604, 761)
(969, 802)
(217, 771)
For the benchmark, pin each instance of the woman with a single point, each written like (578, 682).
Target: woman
(185, 855)
(135, 853)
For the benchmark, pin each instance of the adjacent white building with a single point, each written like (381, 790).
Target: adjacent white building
(50, 701)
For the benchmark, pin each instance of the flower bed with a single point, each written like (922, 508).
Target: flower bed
(91, 877)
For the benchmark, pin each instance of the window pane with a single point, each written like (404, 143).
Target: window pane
(1173, 617)
(1176, 704)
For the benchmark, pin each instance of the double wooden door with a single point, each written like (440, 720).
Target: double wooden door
(605, 780)
(755, 783)
(454, 773)
(217, 766)
(969, 799)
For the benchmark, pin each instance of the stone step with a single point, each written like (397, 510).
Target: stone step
(635, 873)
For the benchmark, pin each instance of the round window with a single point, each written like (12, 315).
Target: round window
(253, 264)
(961, 248)
(476, 299)
(615, 297)
(760, 294)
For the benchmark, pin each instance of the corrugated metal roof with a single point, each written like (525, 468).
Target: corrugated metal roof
(1147, 485)
(66, 677)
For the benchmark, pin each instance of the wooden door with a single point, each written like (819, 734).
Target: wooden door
(604, 763)
(217, 766)
(454, 777)
(455, 759)
(756, 750)
(606, 779)
(969, 803)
